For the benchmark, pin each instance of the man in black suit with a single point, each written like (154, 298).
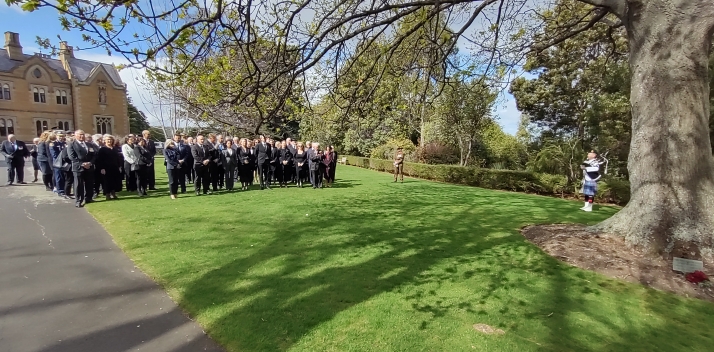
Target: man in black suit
(184, 151)
(15, 153)
(83, 155)
(151, 147)
(263, 155)
(201, 153)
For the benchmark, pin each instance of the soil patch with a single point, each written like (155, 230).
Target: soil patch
(609, 255)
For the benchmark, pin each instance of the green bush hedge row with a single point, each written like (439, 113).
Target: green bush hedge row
(610, 190)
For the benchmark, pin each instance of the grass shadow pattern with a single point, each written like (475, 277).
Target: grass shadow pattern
(378, 266)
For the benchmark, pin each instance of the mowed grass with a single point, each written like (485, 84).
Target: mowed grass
(375, 266)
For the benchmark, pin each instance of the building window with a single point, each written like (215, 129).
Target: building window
(61, 96)
(4, 91)
(104, 124)
(7, 126)
(36, 95)
(41, 125)
(42, 95)
(64, 125)
(37, 73)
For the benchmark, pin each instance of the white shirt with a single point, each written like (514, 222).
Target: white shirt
(128, 153)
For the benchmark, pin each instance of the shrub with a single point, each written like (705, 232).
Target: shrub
(611, 190)
(386, 151)
(437, 153)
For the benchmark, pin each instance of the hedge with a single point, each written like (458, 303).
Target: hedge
(610, 190)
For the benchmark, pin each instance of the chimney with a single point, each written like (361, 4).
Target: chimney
(13, 47)
(66, 52)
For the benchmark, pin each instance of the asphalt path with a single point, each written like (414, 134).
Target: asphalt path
(66, 286)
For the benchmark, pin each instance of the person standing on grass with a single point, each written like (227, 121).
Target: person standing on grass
(150, 170)
(183, 151)
(130, 162)
(120, 159)
(316, 156)
(399, 165)
(144, 161)
(263, 154)
(327, 167)
(109, 166)
(173, 167)
(245, 170)
(83, 155)
(334, 164)
(229, 164)
(201, 158)
(591, 174)
(300, 159)
(285, 164)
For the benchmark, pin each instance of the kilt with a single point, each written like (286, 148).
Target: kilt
(590, 188)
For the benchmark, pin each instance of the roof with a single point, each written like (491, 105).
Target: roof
(7, 65)
(81, 69)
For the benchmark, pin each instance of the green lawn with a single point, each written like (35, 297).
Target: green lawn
(375, 266)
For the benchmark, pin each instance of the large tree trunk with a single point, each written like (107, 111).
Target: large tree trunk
(671, 169)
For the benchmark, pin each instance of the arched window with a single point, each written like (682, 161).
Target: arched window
(41, 126)
(5, 91)
(36, 95)
(65, 126)
(3, 130)
(42, 95)
(58, 96)
(10, 126)
(64, 97)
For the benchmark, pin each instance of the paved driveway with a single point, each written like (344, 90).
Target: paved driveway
(65, 286)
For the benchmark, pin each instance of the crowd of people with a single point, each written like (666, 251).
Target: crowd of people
(83, 166)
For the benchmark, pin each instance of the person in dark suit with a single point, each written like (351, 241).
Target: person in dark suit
(189, 170)
(253, 167)
(263, 156)
(145, 161)
(109, 165)
(334, 164)
(183, 152)
(150, 170)
(33, 154)
(285, 164)
(300, 159)
(229, 163)
(244, 168)
(274, 169)
(15, 153)
(218, 172)
(173, 167)
(316, 156)
(83, 156)
(201, 153)
(45, 160)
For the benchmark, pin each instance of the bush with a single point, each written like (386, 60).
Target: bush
(611, 190)
(388, 150)
(437, 153)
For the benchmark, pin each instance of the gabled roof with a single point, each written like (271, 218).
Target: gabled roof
(84, 70)
(7, 65)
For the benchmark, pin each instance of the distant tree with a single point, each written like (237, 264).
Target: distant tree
(137, 119)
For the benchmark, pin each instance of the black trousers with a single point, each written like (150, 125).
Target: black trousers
(203, 178)
(109, 183)
(230, 176)
(99, 182)
(130, 177)
(151, 175)
(217, 176)
(316, 177)
(142, 179)
(264, 174)
(213, 175)
(83, 186)
(181, 177)
(68, 181)
(16, 169)
(175, 177)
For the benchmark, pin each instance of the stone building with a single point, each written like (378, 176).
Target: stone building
(39, 93)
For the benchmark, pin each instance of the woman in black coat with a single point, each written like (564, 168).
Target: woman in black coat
(245, 165)
(301, 165)
(316, 167)
(286, 165)
(109, 165)
(143, 157)
(44, 158)
(173, 166)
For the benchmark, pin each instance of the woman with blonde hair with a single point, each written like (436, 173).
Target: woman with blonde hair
(109, 165)
(130, 160)
(44, 159)
(173, 166)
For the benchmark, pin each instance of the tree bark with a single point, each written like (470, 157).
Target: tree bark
(671, 209)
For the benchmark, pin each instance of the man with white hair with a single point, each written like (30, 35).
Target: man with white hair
(15, 153)
(83, 155)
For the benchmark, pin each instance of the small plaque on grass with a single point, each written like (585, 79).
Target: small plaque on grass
(686, 265)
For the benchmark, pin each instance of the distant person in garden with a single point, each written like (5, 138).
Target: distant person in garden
(130, 162)
(145, 161)
(399, 165)
(151, 148)
(44, 159)
(173, 167)
(334, 164)
(327, 167)
(109, 164)
(301, 166)
(316, 167)
(286, 166)
(33, 154)
(229, 163)
(591, 174)
(201, 153)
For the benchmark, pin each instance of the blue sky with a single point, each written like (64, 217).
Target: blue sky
(44, 23)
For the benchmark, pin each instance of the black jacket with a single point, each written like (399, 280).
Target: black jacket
(172, 158)
(286, 155)
(263, 153)
(14, 156)
(200, 153)
(143, 155)
(79, 155)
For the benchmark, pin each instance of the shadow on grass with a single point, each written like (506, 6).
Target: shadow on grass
(375, 266)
